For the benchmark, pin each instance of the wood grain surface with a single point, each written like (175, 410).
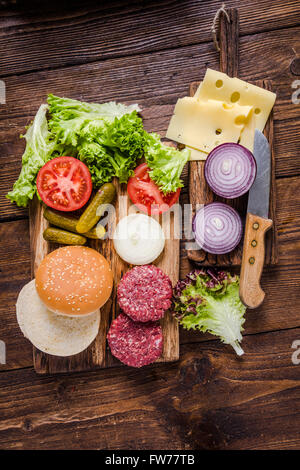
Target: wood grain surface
(208, 400)
(149, 52)
(53, 34)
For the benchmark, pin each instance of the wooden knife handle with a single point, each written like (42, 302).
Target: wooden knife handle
(251, 293)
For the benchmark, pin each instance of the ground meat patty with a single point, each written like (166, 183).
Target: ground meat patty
(135, 344)
(145, 293)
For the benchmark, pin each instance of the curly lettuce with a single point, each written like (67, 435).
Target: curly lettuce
(208, 300)
(166, 163)
(109, 138)
(72, 120)
(67, 108)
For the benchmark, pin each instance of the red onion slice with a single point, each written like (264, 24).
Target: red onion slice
(230, 170)
(217, 228)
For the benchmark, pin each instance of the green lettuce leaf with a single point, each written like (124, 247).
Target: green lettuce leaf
(209, 301)
(113, 148)
(95, 156)
(108, 138)
(67, 108)
(166, 163)
(73, 120)
(39, 147)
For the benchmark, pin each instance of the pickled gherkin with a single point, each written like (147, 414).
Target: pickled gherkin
(56, 235)
(96, 208)
(59, 220)
(69, 224)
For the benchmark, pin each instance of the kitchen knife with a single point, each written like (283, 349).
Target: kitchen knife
(257, 224)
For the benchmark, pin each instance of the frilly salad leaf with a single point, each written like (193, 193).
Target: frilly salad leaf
(73, 120)
(109, 138)
(111, 149)
(39, 147)
(166, 163)
(209, 301)
(66, 108)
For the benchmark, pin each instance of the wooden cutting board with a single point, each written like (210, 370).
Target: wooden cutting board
(199, 191)
(98, 354)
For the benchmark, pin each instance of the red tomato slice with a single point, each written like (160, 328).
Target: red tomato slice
(64, 183)
(146, 195)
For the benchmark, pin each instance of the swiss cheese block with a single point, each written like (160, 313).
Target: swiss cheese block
(218, 86)
(204, 125)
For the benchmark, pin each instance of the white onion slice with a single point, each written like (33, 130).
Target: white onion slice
(138, 239)
(217, 228)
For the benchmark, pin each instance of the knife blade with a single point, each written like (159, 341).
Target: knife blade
(257, 224)
(259, 194)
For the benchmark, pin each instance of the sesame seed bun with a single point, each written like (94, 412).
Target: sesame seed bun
(74, 281)
(58, 335)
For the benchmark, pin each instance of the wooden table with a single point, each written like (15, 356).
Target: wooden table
(149, 52)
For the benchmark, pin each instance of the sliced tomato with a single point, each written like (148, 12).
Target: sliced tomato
(64, 183)
(146, 195)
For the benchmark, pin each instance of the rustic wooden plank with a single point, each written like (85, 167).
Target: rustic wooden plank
(229, 42)
(207, 400)
(97, 355)
(279, 282)
(199, 191)
(37, 224)
(14, 273)
(158, 77)
(56, 35)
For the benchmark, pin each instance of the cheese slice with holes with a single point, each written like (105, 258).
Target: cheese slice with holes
(204, 125)
(218, 86)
